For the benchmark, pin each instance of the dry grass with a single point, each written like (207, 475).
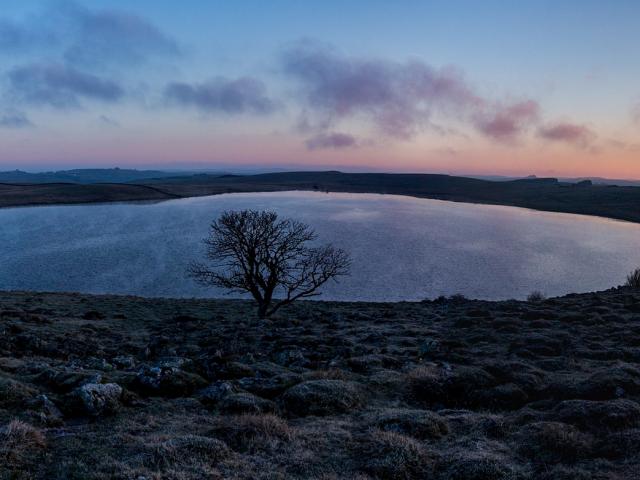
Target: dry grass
(251, 433)
(20, 446)
(392, 456)
(444, 390)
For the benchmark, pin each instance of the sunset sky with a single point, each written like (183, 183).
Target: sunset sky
(462, 87)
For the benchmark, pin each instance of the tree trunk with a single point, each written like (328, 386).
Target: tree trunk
(262, 310)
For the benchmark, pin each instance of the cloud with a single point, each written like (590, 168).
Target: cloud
(331, 140)
(87, 38)
(59, 86)
(113, 36)
(508, 122)
(231, 96)
(571, 133)
(398, 98)
(14, 119)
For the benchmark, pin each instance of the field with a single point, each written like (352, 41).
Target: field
(102, 387)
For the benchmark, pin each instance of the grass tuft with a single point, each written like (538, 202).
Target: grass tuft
(633, 279)
(536, 296)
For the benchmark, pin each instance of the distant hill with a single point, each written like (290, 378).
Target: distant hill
(550, 194)
(594, 180)
(86, 176)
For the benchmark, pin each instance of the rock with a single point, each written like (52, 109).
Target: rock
(323, 397)
(168, 381)
(215, 392)
(100, 399)
(420, 424)
(239, 403)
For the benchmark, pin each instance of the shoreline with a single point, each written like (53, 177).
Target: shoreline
(168, 196)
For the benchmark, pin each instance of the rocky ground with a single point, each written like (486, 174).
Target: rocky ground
(105, 387)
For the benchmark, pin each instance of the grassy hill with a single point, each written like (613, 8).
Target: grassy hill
(104, 387)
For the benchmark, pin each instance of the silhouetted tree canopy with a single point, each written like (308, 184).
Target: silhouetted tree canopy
(271, 258)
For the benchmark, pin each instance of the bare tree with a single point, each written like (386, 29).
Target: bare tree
(257, 252)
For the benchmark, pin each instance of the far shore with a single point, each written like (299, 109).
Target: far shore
(608, 201)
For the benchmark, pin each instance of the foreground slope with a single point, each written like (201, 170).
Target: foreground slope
(120, 387)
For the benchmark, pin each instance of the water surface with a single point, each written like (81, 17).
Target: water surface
(403, 248)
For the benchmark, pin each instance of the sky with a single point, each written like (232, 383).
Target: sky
(463, 87)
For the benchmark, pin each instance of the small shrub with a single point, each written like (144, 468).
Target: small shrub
(553, 442)
(536, 296)
(18, 443)
(323, 397)
(14, 394)
(188, 449)
(420, 424)
(633, 279)
(249, 433)
(392, 456)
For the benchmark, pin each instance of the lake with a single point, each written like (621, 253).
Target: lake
(402, 248)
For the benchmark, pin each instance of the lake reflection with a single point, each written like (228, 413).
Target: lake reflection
(402, 248)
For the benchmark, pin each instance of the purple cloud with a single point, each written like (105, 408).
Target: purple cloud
(242, 95)
(397, 97)
(508, 122)
(579, 135)
(60, 86)
(331, 140)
